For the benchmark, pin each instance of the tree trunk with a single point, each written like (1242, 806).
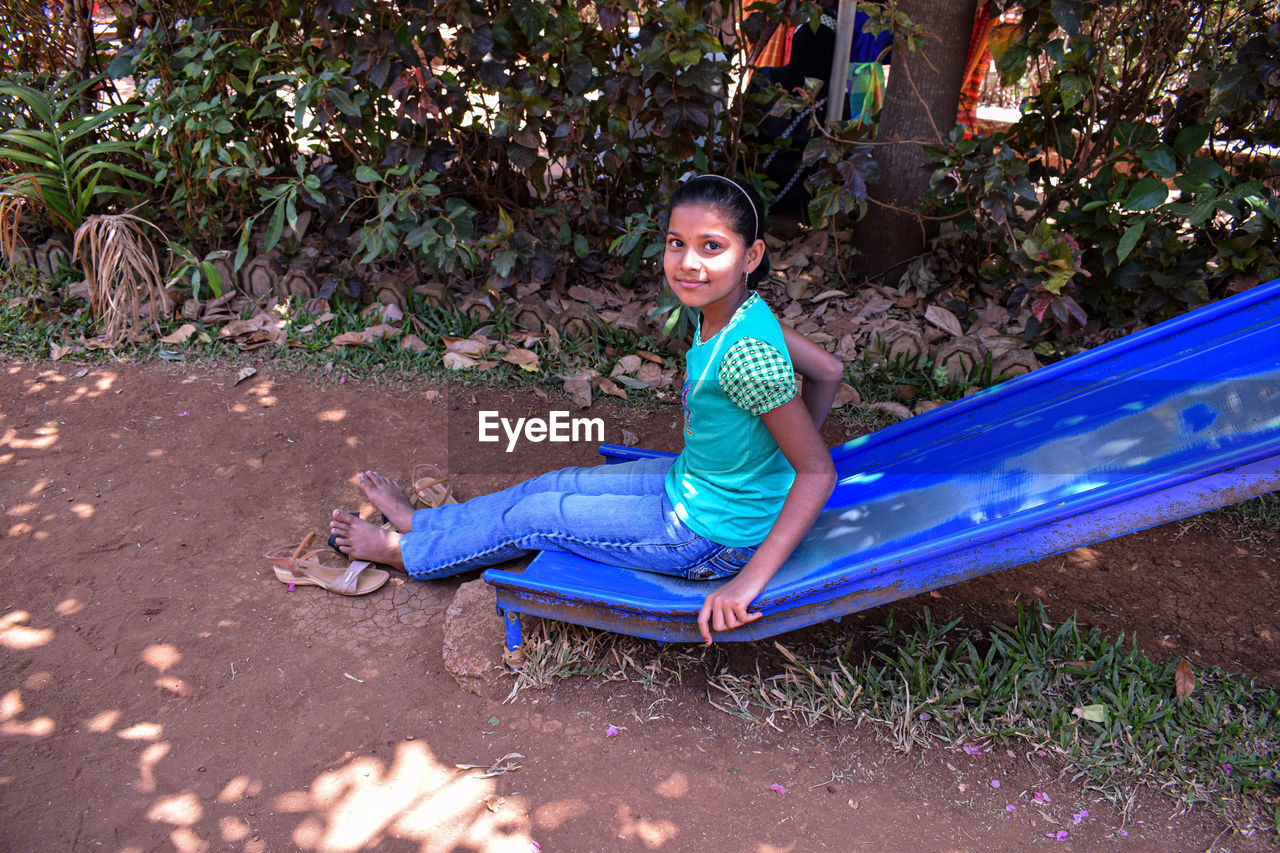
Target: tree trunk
(920, 105)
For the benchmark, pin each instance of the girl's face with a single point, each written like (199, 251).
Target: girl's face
(707, 261)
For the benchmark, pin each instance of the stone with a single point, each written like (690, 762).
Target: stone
(959, 357)
(473, 637)
(296, 282)
(1015, 363)
(903, 344)
(258, 278)
(52, 255)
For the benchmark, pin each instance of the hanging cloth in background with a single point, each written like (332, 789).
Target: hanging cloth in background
(976, 64)
(776, 52)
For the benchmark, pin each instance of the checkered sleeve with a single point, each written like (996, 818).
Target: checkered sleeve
(756, 376)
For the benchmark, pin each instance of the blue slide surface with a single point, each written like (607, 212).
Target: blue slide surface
(1166, 423)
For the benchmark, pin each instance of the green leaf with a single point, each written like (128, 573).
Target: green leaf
(343, 102)
(1068, 14)
(367, 175)
(1073, 90)
(211, 275)
(1161, 161)
(1191, 139)
(1146, 194)
(1129, 240)
(121, 64)
(1092, 713)
(530, 17)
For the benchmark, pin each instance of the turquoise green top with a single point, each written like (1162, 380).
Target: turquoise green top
(729, 483)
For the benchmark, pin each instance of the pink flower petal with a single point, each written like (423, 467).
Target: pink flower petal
(1060, 835)
(1076, 817)
(1042, 797)
(1227, 768)
(973, 750)
(995, 783)
(1011, 808)
(777, 789)
(183, 414)
(292, 587)
(1123, 833)
(535, 846)
(611, 731)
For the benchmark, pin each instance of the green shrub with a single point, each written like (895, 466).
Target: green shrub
(1101, 205)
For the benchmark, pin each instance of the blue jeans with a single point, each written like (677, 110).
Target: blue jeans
(616, 514)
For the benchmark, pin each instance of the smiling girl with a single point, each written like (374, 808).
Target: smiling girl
(751, 479)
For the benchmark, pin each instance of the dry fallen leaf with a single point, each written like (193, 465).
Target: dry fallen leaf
(57, 351)
(579, 388)
(183, 332)
(346, 339)
(381, 330)
(245, 373)
(493, 802)
(413, 342)
(650, 375)
(629, 438)
(846, 395)
(608, 387)
(458, 361)
(1184, 679)
(943, 319)
(467, 346)
(522, 358)
(626, 366)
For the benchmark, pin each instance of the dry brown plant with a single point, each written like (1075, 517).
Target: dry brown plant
(122, 270)
(10, 218)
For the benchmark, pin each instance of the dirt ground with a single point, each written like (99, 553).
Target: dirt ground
(161, 690)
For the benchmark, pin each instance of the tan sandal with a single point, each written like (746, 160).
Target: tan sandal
(308, 568)
(431, 488)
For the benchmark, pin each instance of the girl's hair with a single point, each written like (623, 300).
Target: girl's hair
(739, 206)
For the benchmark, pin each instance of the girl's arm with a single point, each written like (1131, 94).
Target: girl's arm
(821, 371)
(792, 427)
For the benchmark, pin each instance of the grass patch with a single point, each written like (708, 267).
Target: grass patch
(910, 379)
(1259, 515)
(34, 313)
(1100, 704)
(555, 651)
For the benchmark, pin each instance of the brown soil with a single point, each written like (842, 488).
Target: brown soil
(159, 689)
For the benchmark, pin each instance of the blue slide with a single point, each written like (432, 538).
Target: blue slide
(1171, 421)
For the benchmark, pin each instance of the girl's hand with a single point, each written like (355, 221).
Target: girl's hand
(726, 608)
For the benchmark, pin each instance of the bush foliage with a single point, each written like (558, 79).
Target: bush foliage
(1136, 183)
(517, 143)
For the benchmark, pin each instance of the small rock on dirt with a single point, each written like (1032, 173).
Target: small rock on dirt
(473, 637)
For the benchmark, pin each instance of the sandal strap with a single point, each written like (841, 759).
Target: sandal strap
(350, 580)
(293, 562)
(431, 476)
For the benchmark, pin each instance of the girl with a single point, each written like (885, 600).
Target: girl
(753, 475)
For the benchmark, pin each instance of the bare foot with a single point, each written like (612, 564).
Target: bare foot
(389, 497)
(361, 540)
